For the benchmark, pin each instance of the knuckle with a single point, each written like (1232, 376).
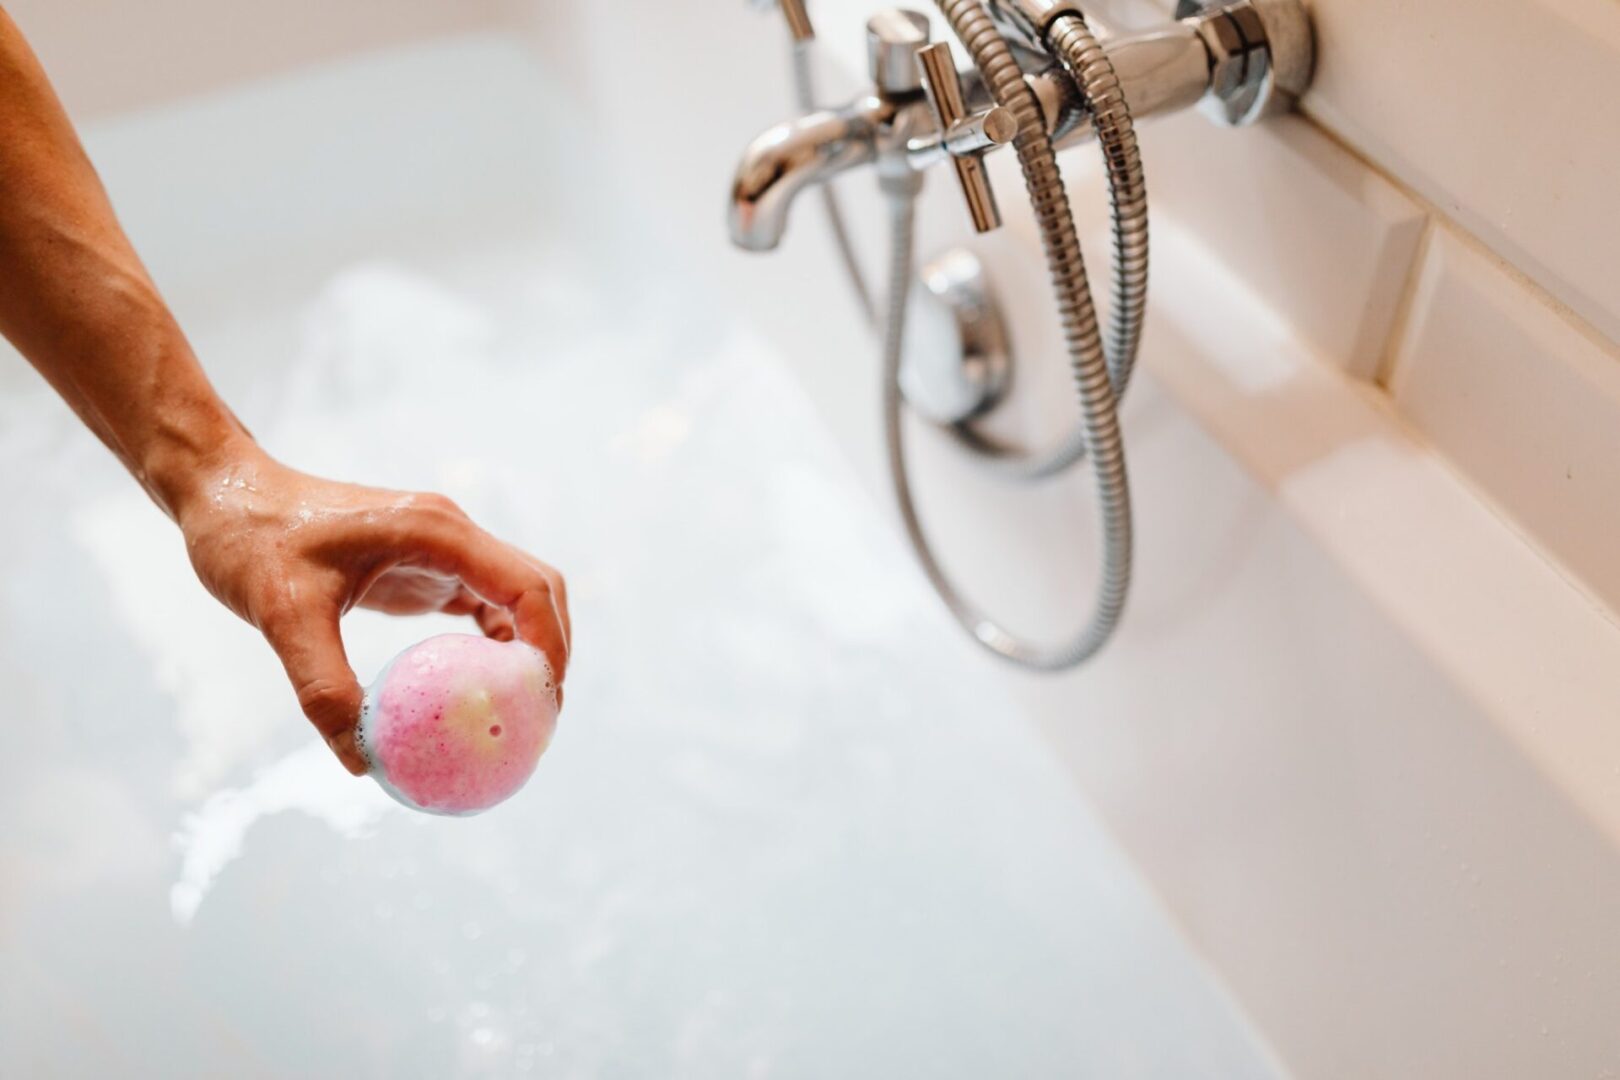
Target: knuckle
(541, 586)
(275, 614)
(330, 705)
(433, 503)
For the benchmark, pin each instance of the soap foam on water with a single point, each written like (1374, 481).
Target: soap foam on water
(211, 836)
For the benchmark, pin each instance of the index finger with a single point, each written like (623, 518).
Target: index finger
(559, 591)
(499, 575)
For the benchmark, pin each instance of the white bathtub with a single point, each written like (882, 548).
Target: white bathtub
(793, 825)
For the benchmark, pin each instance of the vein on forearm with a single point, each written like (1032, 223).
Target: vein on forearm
(76, 300)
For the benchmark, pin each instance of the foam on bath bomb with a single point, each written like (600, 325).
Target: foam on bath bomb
(457, 723)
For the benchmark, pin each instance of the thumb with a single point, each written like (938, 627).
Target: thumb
(311, 649)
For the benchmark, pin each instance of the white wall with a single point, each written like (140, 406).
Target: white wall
(1454, 203)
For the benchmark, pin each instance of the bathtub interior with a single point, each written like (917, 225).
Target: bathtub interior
(790, 825)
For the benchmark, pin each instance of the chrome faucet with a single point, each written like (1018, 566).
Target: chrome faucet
(1239, 61)
(1047, 74)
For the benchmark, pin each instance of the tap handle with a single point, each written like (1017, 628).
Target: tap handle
(894, 37)
(965, 136)
(798, 19)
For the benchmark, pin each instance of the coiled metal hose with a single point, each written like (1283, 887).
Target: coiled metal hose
(1097, 374)
(1088, 65)
(1071, 40)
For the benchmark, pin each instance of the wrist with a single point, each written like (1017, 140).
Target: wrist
(189, 454)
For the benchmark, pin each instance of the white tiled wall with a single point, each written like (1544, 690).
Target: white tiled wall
(1301, 219)
(1431, 130)
(1518, 396)
(1503, 113)
(1444, 221)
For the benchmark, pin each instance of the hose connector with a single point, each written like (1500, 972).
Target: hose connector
(1029, 20)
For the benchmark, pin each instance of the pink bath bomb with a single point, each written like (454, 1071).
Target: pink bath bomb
(456, 724)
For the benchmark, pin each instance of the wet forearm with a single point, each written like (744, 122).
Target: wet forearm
(76, 301)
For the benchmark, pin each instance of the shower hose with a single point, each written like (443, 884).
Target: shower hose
(1101, 372)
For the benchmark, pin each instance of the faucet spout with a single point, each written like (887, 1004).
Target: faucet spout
(789, 157)
(1240, 60)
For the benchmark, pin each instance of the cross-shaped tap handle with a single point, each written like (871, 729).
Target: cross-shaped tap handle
(966, 137)
(798, 19)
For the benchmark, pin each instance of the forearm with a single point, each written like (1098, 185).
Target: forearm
(76, 301)
(289, 553)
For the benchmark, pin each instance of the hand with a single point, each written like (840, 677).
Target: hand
(287, 552)
(292, 553)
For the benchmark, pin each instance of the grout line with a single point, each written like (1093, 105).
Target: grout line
(1415, 436)
(1391, 362)
(1521, 280)
(1440, 217)
(1389, 358)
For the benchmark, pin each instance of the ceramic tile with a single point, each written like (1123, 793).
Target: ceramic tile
(1327, 242)
(1524, 399)
(1500, 112)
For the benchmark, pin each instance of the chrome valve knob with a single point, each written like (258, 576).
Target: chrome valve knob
(893, 38)
(965, 137)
